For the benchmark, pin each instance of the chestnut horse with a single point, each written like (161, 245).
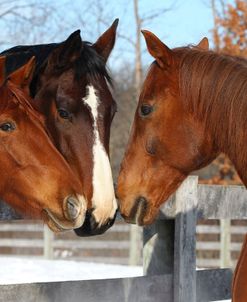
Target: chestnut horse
(35, 178)
(192, 107)
(72, 88)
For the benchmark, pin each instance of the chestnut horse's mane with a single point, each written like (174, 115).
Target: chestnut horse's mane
(214, 88)
(20, 100)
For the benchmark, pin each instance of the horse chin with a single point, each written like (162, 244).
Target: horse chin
(141, 221)
(148, 219)
(141, 214)
(56, 225)
(92, 228)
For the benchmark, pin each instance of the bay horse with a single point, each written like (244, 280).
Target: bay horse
(192, 107)
(72, 88)
(35, 178)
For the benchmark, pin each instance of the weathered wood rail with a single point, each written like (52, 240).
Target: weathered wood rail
(169, 256)
(170, 243)
(217, 244)
(27, 238)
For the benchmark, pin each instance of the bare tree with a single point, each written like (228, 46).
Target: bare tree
(215, 29)
(25, 21)
(99, 15)
(138, 53)
(218, 11)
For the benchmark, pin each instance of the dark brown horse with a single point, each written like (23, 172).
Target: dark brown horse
(192, 107)
(35, 178)
(72, 88)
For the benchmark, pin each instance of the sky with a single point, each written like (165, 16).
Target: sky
(186, 22)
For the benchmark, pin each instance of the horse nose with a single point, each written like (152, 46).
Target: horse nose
(141, 201)
(72, 208)
(92, 228)
(138, 211)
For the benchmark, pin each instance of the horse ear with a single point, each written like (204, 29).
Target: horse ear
(2, 70)
(23, 76)
(106, 41)
(158, 49)
(67, 52)
(203, 44)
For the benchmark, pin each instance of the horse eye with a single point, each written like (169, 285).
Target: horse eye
(146, 110)
(7, 127)
(63, 114)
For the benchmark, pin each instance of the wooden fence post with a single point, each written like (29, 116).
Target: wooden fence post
(48, 243)
(185, 241)
(158, 248)
(135, 248)
(225, 243)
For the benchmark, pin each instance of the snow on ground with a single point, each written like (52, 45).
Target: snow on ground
(22, 270)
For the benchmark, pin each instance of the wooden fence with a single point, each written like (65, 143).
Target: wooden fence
(169, 256)
(31, 239)
(218, 243)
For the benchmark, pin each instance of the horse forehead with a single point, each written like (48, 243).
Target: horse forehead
(100, 95)
(92, 100)
(71, 93)
(67, 82)
(157, 84)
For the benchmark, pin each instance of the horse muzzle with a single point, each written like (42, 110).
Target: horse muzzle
(138, 212)
(92, 228)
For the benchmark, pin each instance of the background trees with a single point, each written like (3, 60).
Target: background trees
(230, 30)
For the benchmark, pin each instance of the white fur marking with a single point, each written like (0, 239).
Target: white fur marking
(103, 199)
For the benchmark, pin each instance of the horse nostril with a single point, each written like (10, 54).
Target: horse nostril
(141, 199)
(138, 211)
(73, 208)
(141, 203)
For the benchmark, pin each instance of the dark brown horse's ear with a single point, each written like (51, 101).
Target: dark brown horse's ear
(203, 44)
(23, 76)
(67, 52)
(158, 49)
(106, 41)
(2, 70)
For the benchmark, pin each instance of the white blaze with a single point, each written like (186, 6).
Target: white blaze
(103, 199)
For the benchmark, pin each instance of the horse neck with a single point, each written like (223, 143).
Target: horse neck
(228, 129)
(214, 88)
(230, 134)
(237, 153)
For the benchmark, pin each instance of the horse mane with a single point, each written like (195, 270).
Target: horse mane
(19, 55)
(7, 90)
(214, 88)
(89, 64)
